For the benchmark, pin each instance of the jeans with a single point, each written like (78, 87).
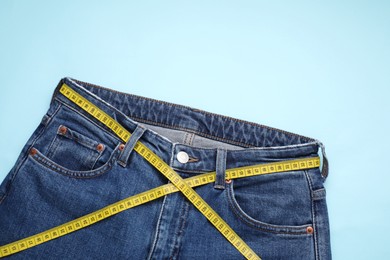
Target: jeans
(78, 166)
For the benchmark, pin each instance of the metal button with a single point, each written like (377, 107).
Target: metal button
(182, 157)
(121, 147)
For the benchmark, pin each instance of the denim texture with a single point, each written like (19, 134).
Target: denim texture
(79, 168)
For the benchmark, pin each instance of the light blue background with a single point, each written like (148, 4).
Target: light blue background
(318, 68)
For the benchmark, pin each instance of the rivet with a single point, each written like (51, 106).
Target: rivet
(121, 147)
(100, 147)
(309, 230)
(63, 129)
(33, 151)
(228, 181)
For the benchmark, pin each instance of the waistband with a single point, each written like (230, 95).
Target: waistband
(255, 143)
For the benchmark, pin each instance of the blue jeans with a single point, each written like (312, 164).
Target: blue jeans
(78, 166)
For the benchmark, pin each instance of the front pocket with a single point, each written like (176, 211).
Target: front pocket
(74, 150)
(278, 203)
(49, 164)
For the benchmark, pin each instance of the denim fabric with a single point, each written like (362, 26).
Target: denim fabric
(79, 168)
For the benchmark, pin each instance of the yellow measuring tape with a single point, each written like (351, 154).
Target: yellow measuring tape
(177, 184)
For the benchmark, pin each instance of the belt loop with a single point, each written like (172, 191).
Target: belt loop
(220, 169)
(325, 163)
(129, 146)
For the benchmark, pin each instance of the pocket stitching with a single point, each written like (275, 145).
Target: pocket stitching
(78, 138)
(84, 141)
(56, 143)
(51, 165)
(259, 225)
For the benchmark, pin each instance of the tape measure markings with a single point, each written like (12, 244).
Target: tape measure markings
(136, 200)
(195, 199)
(165, 169)
(184, 185)
(160, 165)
